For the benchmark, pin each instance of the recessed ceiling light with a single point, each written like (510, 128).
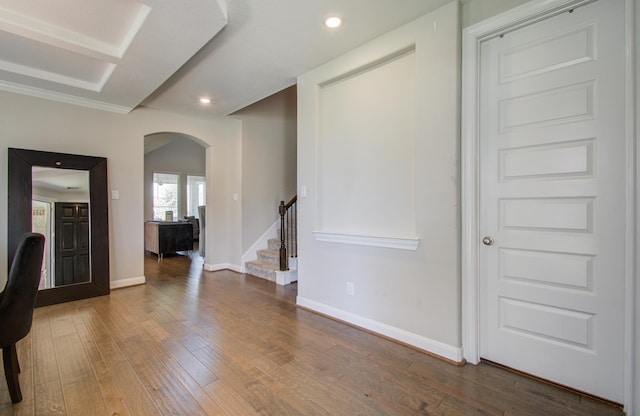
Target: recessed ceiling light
(205, 100)
(333, 22)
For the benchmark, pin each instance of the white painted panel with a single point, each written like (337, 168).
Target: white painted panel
(392, 287)
(560, 105)
(366, 150)
(557, 161)
(547, 54)
(548, 269)
(547, 322)
(548, 214)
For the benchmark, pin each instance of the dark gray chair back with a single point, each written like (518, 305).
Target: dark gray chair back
(17, 301)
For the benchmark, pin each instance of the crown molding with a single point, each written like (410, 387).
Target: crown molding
(63, 98)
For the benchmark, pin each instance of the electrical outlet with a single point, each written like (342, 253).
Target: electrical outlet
(351, 290)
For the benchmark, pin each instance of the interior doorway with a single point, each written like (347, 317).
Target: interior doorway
(175, 172)
(41, 214)
(527, 222)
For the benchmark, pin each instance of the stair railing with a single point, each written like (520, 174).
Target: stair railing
(288, 231)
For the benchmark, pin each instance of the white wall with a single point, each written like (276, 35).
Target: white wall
(183, 156)
(413, 296)
(366, 143)
(268, 161)
(32, 123)
(474, 11)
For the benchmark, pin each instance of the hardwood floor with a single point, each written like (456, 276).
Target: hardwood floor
(200, 343)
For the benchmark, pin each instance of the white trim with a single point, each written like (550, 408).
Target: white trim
(135, 27)
(531, 12)
(59, 37)
(525, 15)
(631, 379)
(286, 277)
(435, 347)
(469, 198)
(63, 98)
(131, 281)
(402, 243)
(58, 78)
(261, 243)
(222, 266)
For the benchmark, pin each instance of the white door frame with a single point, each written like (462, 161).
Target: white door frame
(472, 36)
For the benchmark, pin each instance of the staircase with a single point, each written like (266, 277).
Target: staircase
(267, 266)
(279, 261)
(268, 262)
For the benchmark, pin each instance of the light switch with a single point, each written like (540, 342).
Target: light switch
(303, 191)
(115, 194)
(235, 196)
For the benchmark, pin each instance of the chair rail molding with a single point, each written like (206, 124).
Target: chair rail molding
(402, 243)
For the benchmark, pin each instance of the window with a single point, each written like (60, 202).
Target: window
(165, 196)
(195, 194)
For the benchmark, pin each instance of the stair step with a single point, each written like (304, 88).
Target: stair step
(262, 269)
(274, 243)
(268, 261)
(269, 255)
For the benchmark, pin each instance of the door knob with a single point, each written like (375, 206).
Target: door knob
(487, 241)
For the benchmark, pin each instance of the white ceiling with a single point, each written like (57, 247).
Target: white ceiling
(60, 180)
(119, 54)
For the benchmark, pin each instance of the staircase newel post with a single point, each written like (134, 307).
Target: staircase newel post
(283, 248)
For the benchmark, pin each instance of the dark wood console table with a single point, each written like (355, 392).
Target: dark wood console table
(167, 237)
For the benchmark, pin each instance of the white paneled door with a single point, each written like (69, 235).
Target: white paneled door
(552, 199)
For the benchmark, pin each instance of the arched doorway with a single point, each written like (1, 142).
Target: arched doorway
(175, 172)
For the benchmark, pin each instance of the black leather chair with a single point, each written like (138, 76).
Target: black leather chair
(17, 301)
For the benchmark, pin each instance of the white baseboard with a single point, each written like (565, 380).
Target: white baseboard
(132, 281)
(222, 266)
(435, 347)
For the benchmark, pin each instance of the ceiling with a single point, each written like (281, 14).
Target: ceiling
(117, 55)
(61, 180)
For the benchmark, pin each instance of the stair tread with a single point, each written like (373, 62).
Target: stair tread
(264, 264)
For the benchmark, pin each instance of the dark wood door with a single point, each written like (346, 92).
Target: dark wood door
(72, 243)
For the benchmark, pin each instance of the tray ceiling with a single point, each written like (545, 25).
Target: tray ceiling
(103, 54)
(117, 55)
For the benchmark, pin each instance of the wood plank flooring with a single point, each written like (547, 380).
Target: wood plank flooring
(220, 343)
